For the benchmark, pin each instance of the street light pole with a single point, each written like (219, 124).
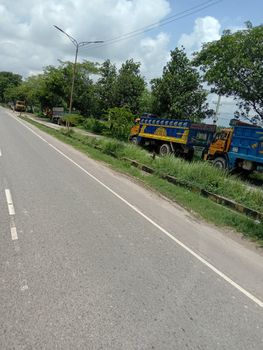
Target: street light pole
(73, 79)
(77, 46)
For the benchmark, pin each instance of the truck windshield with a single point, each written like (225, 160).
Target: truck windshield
(221, 136)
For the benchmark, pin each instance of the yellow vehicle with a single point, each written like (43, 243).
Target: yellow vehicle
(180, 137)
(238, 148)
(219, 148)
(20, 106)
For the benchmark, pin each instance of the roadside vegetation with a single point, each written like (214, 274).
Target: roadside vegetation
(112, 152)
(109, 103)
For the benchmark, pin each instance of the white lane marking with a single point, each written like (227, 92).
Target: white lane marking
(9, 200)
(0, 153)
(181, 244)
(13, 229)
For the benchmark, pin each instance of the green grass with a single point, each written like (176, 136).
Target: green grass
(207, 177)
(208, 210)
(198, 173)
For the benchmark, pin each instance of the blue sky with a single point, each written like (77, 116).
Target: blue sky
(230, 14)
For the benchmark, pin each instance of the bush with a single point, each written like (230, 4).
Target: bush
(120, 121)
(72, 119)
(94, 125)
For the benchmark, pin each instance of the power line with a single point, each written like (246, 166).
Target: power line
(170, 19)
(157, 24)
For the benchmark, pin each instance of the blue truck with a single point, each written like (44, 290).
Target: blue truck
(165, 136)
(237, 148)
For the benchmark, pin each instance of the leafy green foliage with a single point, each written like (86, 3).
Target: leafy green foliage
(72, 119)
(94, 125)
(233, 66)
(178, 93)
(28, 91)
(84, 98)
(106, 85)
(129, 86)
(146, 102)
(8, 80)
(120, 122)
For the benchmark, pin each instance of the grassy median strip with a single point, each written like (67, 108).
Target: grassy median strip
(198, 173)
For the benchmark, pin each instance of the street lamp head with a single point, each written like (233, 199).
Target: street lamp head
(84, 43)
(74, 41)
(58, 28)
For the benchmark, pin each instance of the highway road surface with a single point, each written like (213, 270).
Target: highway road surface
(92, 260)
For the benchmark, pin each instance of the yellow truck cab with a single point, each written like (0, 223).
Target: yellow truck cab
(219, 147)
(135, 130)
(20, 106)
(237, 149)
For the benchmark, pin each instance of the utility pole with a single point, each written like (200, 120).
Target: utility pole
(218, 104)
(77, 46)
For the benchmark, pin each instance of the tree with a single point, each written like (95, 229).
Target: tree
(52, 88)
(8, 80)
(233, 66)
(146, 102)
(179, 93)
(106, 85)
(129, 86)
(84, 99)
(55, 89)
(27, 91)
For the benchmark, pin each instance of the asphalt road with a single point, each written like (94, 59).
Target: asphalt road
(101, 263)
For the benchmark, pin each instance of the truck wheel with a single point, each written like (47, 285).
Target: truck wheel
(134, 140)
(165, 149)
(220, 163)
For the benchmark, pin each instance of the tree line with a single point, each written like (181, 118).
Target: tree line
(231, 66)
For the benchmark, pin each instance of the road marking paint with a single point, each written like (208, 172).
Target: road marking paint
(0, 153)
(147, 218)
(13, 229)
(9, 200)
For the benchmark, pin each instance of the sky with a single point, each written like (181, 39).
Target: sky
(29, 41)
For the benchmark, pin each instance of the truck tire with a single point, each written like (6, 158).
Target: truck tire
(165, 149)
(134, 140)
(220, 163)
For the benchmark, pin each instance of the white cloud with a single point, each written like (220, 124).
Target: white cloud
(205, 29)
(153, 54)
(29, 41)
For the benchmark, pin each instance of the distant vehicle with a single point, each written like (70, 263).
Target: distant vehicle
(240, 147)
(20, 106)
(165, 136)
(57, 115)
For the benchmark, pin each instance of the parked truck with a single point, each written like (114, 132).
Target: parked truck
(237, 148)
(20, 106)
(165, 136)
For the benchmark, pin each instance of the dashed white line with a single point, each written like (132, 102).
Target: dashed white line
(11, 210)
(0, 153)
(147, 218)
(13, 233)
(9, 200)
